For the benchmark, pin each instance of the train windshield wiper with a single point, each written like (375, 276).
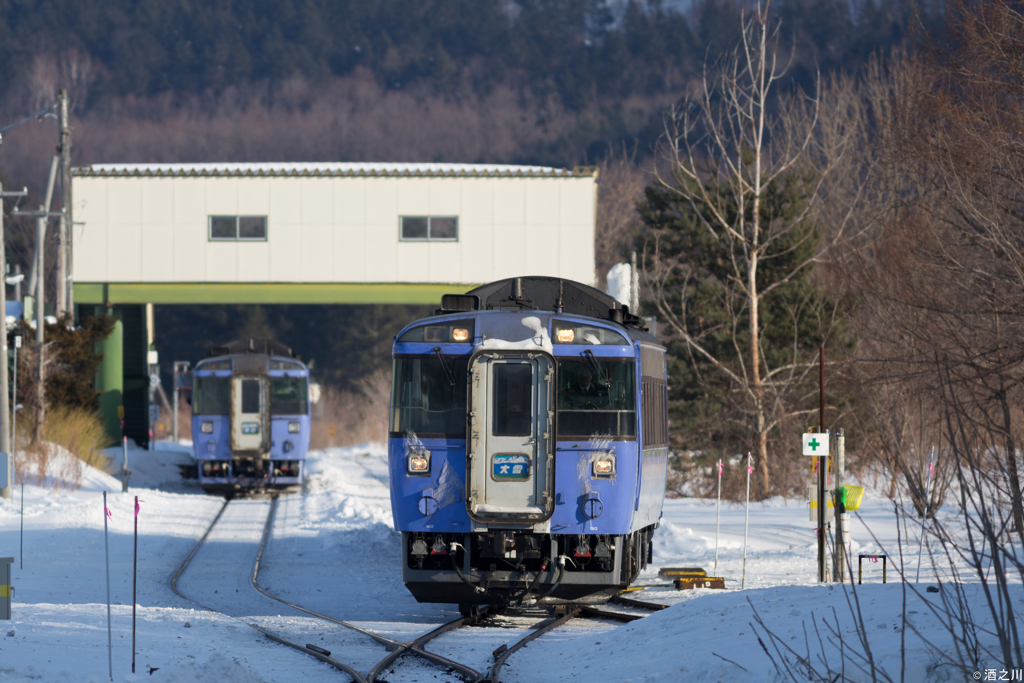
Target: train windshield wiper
(444, 366)
(595, 366)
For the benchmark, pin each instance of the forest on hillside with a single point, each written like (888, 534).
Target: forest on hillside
(555, 82)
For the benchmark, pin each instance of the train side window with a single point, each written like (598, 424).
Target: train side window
(513, 399)
(654, 397)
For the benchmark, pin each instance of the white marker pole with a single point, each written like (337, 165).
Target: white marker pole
(924, 517)
(746, 522)
(718, 514)
(106, 550)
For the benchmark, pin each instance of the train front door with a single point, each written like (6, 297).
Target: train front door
(511, 463)
(249, 428)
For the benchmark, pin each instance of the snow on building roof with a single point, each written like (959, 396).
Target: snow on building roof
(329, 169)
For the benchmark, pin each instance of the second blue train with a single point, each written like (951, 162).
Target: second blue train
(250, 417)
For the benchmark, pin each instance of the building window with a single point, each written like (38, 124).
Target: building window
(235, 228)
(430, 228)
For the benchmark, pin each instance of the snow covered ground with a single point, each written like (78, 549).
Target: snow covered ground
(332, 549)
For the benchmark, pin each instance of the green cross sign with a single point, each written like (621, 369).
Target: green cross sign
(815, 444)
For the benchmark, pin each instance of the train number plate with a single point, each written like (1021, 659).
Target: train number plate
(250, 427)
(511, 467)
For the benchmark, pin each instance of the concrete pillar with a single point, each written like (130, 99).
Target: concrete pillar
(110, 380)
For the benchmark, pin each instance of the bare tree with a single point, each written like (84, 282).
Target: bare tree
(943, 282)
(750, 168)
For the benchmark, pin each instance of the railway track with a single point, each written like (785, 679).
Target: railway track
(396, 649)
(317, 653)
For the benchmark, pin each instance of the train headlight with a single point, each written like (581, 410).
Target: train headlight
(294, 427)
(604, 467)
(419, 463)
(566, 336)
(207, 428)
(460, 334)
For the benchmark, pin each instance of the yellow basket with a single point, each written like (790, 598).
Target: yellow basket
(853, 495)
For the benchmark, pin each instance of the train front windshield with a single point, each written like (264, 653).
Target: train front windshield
(429, 396)
(289, 396)
(211, 395)
(596, 398)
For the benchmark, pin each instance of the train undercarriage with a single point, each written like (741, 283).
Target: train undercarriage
(511, 567)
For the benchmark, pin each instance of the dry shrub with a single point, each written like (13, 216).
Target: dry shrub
(347, 418)
(80, 432)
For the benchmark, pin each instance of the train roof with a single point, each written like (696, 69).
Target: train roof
(543, 293)
(252, 346)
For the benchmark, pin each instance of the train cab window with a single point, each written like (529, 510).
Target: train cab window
(513, 399)
(596, 397)
(429, 395)
(289, 396)
(211, 395)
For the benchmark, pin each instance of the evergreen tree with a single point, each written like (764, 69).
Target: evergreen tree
(710, 413)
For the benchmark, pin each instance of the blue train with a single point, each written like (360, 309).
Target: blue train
(528, 445)
(250, 416)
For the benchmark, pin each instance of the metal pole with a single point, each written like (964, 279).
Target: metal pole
(135, 574)
(822, 466)
(124, 463)
(840, 508)
(5, 408)
(40, 325)
(924, 518)
(34, 272)
(718, 514)
(65, 220)
(174, 408)
(746, 522)
(106, 550)
(14, 448)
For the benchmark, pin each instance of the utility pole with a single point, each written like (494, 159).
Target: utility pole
(36, 271)
(822, 466)
(65, 293)
(841, 517)
(41, 216)
(5, 408)
(40, 323)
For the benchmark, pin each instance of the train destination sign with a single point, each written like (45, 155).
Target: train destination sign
(816, 444)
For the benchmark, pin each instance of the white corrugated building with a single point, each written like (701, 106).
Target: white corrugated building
(168, 229)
